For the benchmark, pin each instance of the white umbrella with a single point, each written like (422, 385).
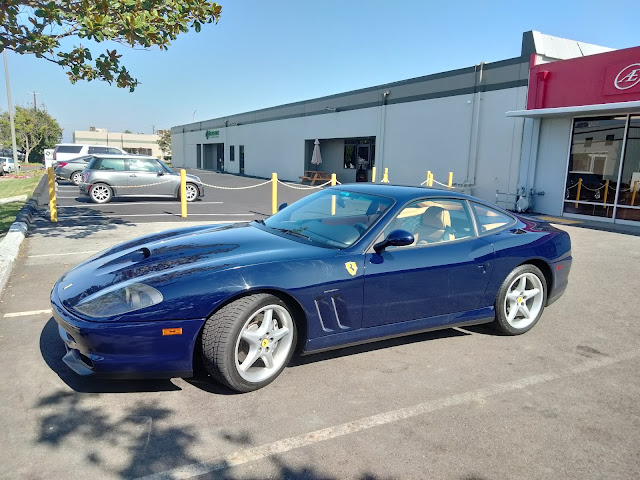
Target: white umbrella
(316, 158)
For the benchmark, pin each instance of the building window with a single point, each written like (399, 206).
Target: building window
(609, 140)
(587, 142)
(232, 153)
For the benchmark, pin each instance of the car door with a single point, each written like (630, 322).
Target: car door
(445, 271)
(113, 172)
(147, 177)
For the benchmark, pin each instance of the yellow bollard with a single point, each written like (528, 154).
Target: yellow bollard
(450, 179)
(606, 191)
(53, 209)
(578, 192)
(428, 177)
(274, 193)
(183, 192)
(635, 190)
(373, 175)
(385, 176)
(333, 197)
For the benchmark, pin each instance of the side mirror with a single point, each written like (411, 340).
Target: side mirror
(160, 173)
(397, 238)
(282, 205)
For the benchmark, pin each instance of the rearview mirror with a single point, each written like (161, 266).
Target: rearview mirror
(397, 238)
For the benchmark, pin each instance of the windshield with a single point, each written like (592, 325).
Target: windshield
(333, 217)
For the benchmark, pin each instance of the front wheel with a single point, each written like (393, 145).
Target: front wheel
(192, 192)
(100, 193)
(247, 343)
(521, 300)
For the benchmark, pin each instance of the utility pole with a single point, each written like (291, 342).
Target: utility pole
(35, 105)
(10, 105)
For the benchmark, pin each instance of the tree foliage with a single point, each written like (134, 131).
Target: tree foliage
(35, 131)
(40, 27)
(164, 142)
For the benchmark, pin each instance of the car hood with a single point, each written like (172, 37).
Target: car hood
(175, 258)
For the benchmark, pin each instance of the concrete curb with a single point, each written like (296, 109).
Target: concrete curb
(10, 244)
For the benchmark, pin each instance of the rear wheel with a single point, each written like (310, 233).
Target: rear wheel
(248, 343)
(100, 193)
(521, 300)
(76, 177)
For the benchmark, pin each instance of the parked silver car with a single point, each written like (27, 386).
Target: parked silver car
(72, 169)
(108, 176)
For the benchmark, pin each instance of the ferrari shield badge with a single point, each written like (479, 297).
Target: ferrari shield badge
(352, 268)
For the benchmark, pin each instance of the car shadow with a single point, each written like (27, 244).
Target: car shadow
(300, 360)
(52, 350)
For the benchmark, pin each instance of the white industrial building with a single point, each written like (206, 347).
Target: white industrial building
(476, 122)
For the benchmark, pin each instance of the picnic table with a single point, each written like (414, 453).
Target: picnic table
(313, 176)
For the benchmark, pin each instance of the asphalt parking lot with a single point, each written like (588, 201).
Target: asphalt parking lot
(558, 402)
(240, 203)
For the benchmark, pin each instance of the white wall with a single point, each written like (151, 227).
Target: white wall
(422, 135)
(551, 166)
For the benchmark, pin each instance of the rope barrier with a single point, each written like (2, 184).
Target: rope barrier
(237, 188)
(138, 186)
(304, 187)
(435, 181)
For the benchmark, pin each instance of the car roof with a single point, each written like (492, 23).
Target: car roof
(123, 156)
(403, 192)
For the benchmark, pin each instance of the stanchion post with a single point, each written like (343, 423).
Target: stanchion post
(385, 176)
(635, 190)
(333, 197)
(428, 177)
(450, 179)
(578, 192)
(183, 192)
(606, 192)
(373, 175)
(53, 208)
(274, 193)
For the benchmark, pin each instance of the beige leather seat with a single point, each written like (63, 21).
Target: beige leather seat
(435, 226)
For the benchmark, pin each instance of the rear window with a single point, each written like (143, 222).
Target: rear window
(68, 148)
(114, 164)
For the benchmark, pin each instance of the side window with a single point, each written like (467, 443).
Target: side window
(99, 150)
(113, 151)
(434, 221)
(110, 164)
(143, 165)
(489, 219)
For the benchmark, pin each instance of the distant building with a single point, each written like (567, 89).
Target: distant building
(130, 142)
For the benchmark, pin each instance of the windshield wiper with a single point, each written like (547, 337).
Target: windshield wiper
(297, 233)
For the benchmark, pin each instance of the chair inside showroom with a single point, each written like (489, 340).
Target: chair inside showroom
(435, 226)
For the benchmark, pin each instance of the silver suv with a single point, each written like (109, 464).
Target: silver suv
(106, 177)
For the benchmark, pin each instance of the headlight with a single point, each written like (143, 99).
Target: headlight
(119, 300)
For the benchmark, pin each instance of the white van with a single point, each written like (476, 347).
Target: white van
(67, 151)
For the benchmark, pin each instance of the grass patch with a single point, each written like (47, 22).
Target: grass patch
(11, 187)
(8, 213)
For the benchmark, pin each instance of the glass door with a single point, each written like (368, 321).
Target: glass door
(594, 163)
(628, 207)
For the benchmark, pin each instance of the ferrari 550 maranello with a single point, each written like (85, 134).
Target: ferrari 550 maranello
(346, 265)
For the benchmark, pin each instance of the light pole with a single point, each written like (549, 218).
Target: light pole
(10, 105)
(193, 117)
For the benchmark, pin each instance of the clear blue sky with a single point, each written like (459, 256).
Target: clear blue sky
(263, 54)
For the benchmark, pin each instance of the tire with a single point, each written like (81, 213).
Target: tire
(192, 192)
(230, 335)
(100, 193)
(520, 300)
(76, 177)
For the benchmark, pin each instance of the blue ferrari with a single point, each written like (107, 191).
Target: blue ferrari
(346, 265)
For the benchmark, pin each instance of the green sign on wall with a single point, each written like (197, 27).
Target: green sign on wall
(212, 134)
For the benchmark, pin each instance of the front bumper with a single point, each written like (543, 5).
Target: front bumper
(126, 350)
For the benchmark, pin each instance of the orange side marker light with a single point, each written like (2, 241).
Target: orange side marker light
(171, 331)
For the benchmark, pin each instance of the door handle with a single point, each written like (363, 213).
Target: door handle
(133, 175)
(482, 268)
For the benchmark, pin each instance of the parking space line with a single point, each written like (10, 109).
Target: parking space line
(124, 204)
(61, 254)
(282, 446)
(27, 314)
